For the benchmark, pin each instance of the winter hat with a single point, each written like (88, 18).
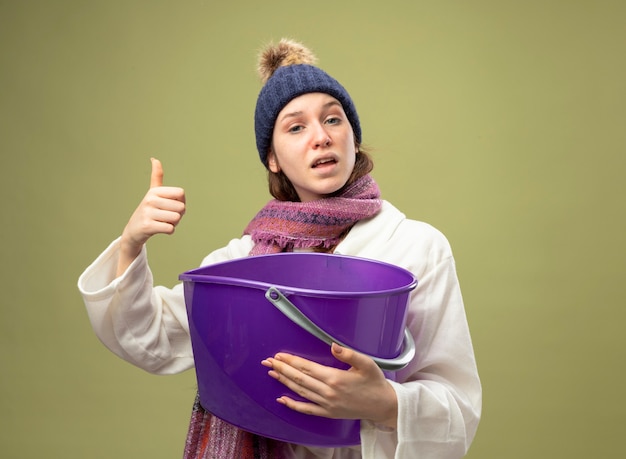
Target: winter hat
(287, 71)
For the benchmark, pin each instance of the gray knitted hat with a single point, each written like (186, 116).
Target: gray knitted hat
(287, 72)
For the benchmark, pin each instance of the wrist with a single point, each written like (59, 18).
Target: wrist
(388, 419)
(128, 252)
(129, 247)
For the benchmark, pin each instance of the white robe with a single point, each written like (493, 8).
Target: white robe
(439, 392)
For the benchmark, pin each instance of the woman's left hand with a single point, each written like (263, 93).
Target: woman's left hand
(361, 392)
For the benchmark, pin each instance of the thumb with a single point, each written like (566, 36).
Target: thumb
(156, 177)
(346, 355)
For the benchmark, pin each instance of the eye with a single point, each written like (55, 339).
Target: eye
(294, 129)
(333, 120)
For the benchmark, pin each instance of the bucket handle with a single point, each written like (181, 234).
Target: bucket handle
(292, 312)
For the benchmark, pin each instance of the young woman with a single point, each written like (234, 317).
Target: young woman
(309, 138)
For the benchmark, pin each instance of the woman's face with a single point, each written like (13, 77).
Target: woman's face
(313, 144)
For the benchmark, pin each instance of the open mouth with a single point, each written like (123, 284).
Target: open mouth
(324, 162)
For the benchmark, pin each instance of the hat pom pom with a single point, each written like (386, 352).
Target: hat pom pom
(286, 52)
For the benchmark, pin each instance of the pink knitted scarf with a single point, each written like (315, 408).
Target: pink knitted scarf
(281, 226)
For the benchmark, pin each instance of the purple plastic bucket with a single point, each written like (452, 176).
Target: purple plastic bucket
(245, 310)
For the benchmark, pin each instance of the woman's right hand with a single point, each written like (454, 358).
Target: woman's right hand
(159, 212)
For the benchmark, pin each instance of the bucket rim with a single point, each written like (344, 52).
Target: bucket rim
(196, 275)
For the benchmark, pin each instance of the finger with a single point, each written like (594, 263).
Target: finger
(312, 409)
(302, 376)
(307, 388)
(160, 227)
(354, 359)
(166, 216)
(287, 362)
(156, 177)
(167, 197)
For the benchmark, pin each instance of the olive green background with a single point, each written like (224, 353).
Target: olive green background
(501, 123)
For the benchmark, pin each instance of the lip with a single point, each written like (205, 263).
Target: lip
(324, 160)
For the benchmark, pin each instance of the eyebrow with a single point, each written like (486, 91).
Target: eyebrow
(300, 112)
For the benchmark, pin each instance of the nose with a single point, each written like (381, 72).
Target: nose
(322, 139)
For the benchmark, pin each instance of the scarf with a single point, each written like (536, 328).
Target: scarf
(211, 438)
(281, 226)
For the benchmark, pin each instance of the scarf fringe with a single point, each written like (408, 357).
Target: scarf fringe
(209, 437)
(284, 242)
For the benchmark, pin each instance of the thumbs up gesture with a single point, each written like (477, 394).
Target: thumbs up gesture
(159, 212)
(156, 176)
